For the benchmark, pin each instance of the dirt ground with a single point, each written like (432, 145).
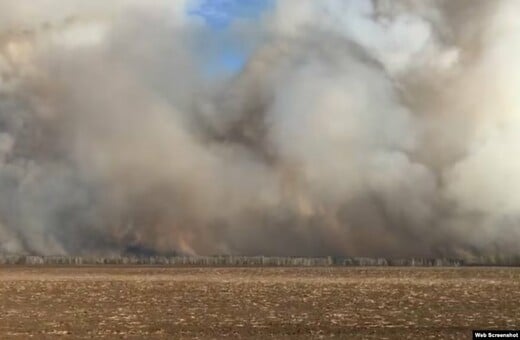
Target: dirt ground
(256, 303)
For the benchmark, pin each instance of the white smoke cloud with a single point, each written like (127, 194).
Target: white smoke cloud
(360, 128)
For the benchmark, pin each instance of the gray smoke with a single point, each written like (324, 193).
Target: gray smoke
(363, 128)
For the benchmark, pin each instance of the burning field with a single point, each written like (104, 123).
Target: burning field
(355, 128)
(337, 130)
(256, 303)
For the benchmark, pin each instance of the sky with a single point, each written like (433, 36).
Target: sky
(219, 16)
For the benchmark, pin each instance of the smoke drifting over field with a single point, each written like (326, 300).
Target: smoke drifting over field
(367, 128)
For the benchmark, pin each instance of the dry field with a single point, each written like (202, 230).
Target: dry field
(255, 303)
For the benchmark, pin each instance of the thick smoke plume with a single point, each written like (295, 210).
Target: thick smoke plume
(363, 128)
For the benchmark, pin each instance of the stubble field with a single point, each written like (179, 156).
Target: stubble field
(256, 303)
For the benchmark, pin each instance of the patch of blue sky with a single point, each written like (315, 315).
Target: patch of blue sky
(219, 14)
(230, 55)
(228, 61)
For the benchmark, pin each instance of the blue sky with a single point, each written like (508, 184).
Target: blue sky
(219, 16)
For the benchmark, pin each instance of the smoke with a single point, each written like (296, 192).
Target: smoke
(363, 128)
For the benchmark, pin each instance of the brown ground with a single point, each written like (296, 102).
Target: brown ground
(258, 303)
